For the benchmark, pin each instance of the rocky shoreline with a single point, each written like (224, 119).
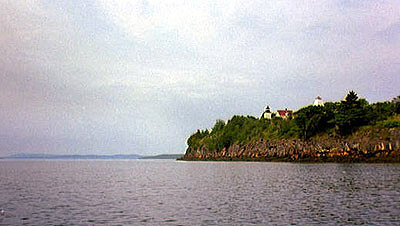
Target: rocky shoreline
(381, 145)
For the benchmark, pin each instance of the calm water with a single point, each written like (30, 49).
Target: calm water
(197, 193)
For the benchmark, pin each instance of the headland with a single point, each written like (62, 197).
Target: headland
(351, 130)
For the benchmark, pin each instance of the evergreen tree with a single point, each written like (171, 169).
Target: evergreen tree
(352, 113)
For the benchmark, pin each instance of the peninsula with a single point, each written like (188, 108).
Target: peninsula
(351, 130)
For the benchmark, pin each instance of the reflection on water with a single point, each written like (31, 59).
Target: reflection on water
(197, 193)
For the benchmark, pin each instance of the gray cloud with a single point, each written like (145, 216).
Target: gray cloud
(139, 76)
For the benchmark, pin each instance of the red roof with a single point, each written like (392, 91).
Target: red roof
(284, 112)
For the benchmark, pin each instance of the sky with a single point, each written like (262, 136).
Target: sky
(108, 76)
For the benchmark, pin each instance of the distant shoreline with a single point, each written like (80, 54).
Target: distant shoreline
(24, 156)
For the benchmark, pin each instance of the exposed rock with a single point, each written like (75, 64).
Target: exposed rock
(370, 146)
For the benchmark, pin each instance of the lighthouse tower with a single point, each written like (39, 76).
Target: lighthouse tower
(318, 101)
(267, 114)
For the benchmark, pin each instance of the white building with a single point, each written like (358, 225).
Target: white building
(267, 114)
(318, 101)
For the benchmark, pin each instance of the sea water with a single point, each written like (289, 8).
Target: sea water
(168, 192)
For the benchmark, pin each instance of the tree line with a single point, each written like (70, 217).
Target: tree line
(333, 118)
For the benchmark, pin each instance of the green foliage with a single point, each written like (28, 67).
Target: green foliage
(391, 124)
(381, 111)
(194, 140)
(396, 102)
(341, 118)
(313, 119)
(351, 114)
(218, 126)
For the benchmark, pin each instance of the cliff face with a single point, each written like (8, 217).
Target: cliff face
(371, 145)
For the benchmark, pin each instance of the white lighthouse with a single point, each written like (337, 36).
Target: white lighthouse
(267, 114)
(318, 101)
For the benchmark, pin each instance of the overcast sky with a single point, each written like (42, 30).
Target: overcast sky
(108, 76)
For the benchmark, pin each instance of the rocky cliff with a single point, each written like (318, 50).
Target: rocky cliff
(373, 145)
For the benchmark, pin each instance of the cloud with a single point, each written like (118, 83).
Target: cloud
(139, 76)
(391, 34)
(144, 19)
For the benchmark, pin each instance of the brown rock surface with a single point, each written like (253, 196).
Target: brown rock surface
(370, 146)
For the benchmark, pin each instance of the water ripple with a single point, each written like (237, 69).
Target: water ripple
(197, 193)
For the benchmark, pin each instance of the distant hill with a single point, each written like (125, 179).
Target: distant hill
(49, 156)
(163, 156)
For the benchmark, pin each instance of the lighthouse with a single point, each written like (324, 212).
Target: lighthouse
(318, 101)
(267, 114)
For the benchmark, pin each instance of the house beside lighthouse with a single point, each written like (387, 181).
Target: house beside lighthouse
(286, 113)
(268, 114)
(318, 101)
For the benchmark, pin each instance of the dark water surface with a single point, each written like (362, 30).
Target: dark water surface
(166, 192)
